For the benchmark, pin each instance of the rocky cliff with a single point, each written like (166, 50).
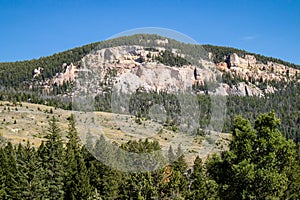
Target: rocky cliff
(130, 67)
(249, 69)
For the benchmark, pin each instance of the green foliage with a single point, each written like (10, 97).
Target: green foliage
(201, 187)
(168, 58)
(259, 161)
(260, 164)
(10, 176)
(52, 157)
(284, 102)
(77, 182)
(141, 102)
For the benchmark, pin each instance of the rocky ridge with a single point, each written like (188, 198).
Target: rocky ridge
(132, 67)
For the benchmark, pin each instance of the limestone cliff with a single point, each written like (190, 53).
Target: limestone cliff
(134, 66)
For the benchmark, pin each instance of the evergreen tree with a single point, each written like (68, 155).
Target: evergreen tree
(52, 158)
(12, 180)
(77, 183)
(104, 178)
(258, 162)
(200, 186)
(177, 184)
(24, 168)
(3, 170)
(197, 180)
(138, 186)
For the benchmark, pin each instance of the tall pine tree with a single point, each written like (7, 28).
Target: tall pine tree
(52, 157)
(77, 183)
(258, 163)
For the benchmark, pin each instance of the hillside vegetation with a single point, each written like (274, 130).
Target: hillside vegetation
(15, 78)
(47, 150)
(27, 122)
(259, 164)
(17, 74)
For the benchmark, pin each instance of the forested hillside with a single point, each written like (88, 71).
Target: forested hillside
(284, 102)
(260, 164)
(15, 78)
(17, 74)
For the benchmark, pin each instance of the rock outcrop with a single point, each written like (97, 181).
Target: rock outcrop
(37, 72)
(131, 67)
(68, 75)
(249, 69)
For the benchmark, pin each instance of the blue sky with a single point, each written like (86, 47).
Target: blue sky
(31, 29)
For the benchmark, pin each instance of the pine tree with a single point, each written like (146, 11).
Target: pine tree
(12, 174)
(52, 158)
(258, 163)
(179, 164)
(77, 183)
(138, 186)
(3, 170)
(39, 180)
(21, 156)
(197, 186)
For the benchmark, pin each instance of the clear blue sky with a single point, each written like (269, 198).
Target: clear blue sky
(31, 29)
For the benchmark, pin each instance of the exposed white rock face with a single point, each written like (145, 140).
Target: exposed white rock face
(248, 90)
(37, 72)
(68, 75)
(242, 89)
(249, 69)
(159, 42)
(156, 77)
(131, 67)
(235, 60)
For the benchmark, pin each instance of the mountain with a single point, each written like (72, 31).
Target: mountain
(21, 72)
(146, 65)
(151, 94)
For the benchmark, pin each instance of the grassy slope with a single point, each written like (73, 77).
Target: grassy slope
(32, 123)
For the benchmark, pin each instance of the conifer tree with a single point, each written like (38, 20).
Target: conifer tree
(258, 162)
(11, 173)
(77, 183)
(197, 180)
(3, 170)
(52, 158)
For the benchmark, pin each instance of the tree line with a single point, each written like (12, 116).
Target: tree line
(283, 101)
(259, 164)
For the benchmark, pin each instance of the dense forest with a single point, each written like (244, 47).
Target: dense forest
(284, 102)
(260, 164)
